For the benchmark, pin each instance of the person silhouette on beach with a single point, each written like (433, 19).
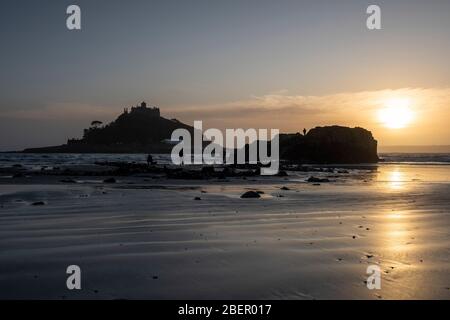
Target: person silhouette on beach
(304, 131)
(149, 159)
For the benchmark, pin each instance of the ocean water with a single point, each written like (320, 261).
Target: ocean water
(416, 158)
(36, 161)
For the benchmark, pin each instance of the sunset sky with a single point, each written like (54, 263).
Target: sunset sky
(265, 64)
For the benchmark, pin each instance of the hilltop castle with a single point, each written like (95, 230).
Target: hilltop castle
(136, 129)
(143, 110)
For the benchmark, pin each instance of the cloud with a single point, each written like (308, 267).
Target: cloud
(277, 104)
(290, 111)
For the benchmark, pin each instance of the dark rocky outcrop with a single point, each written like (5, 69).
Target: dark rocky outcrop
(250, 194)
(333, 144)
(38, 203)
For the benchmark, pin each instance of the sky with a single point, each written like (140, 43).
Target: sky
(280, 64)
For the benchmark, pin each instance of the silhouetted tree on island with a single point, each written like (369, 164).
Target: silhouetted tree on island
(96, 123)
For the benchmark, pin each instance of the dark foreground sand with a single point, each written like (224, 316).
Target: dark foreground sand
(149, 238)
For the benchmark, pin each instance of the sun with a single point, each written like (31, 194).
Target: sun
(396, 114)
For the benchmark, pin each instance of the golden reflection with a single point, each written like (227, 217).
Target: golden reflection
(397, 232)
(397, 242)
(396, 222)
(394, 178)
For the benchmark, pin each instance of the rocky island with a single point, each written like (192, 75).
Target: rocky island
(142, 130)
(332, 144)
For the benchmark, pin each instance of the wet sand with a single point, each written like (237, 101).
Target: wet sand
(150, 239)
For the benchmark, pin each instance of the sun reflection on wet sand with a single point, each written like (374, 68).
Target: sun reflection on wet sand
(397, 232)
(394, 178)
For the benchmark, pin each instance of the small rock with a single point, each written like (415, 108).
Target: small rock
(109, 180)
(282, 173)
(250, 194)
(38, 203)
(314, 179)
(197, 198)
(284, 188)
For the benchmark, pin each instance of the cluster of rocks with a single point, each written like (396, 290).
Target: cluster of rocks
(175, 172)
(133, 168)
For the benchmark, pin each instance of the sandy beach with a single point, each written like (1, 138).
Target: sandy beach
(149, 238)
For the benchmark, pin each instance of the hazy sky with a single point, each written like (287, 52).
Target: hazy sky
(273, 64)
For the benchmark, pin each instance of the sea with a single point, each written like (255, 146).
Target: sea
(36, 161)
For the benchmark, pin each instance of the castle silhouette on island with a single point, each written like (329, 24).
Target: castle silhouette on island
(141, 129)
(143, 110)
